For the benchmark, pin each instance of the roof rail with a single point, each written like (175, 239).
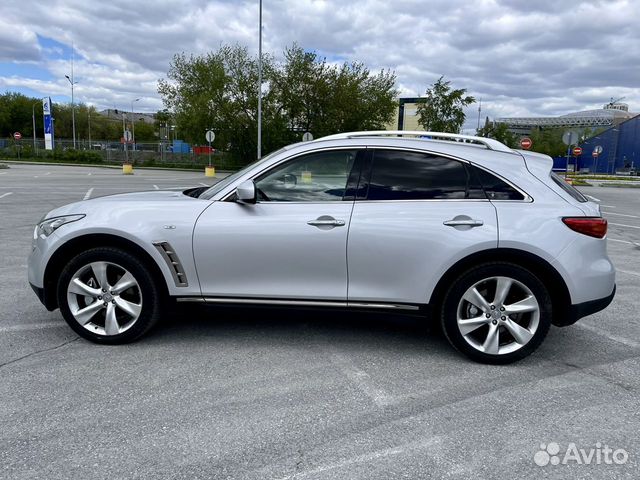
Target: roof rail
(489, 143)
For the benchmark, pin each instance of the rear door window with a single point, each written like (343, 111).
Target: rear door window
(406, 175)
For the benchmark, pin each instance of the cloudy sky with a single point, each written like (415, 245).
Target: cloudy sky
(522, 57)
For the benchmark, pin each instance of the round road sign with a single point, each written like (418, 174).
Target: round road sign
(598, 149)
(127, 135)
(570, 137)
(307, 137)
(210, 136)
(595, 154)
(17, 135)
(526, 143)
(577, 151)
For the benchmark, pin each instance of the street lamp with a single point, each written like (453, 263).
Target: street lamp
(260, 84)
(133, 125)
(73, 111)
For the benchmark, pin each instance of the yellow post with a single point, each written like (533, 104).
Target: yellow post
(209, 171)
(127, 169)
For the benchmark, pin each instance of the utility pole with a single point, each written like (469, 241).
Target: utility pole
(90, 147)
(124, 138)
(479, 110)
(133, 125)
(260, 85)
(73, 110)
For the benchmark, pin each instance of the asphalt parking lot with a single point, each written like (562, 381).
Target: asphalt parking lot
(254, 394)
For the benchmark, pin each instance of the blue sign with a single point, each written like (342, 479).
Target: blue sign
(48, 123)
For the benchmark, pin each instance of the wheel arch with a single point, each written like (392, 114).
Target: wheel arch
(560, 297)
(79, 244)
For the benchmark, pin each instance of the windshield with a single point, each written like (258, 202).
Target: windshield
(225, 182)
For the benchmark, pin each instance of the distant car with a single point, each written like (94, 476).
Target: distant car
(482, 238)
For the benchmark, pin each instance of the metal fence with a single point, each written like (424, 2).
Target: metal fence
(110, 152)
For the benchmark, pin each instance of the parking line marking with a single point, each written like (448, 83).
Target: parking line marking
(593, 198)
(5, 194)
(608, 206)
(621, 214)
(88, 194)
(3, 173)
(610, 336)
(367, 458)
(156, 187)
(32, 326)
(623, 225)
(635, 274)
(361, 379)
(204, 184)
(622, 241)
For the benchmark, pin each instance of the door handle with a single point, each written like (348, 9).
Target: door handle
(326, 221)
(463, 223)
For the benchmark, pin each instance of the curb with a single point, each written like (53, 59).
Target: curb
(118, 167)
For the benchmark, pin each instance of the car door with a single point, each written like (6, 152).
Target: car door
(290, 244)
(415, 215)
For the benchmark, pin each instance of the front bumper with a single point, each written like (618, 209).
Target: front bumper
(580, 310)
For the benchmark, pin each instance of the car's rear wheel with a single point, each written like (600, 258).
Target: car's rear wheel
(496, 313)
(107, 295)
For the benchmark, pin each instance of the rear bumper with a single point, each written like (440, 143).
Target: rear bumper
(580, 310)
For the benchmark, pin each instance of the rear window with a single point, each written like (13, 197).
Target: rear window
(405, 175)
(568, 188)
(495, 188)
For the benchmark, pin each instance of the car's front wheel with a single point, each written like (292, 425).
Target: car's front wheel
(106, 295)
(496, 313)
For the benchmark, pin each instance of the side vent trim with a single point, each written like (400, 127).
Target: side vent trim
(173, 262)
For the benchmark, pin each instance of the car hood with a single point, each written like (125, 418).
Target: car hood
(136, 201)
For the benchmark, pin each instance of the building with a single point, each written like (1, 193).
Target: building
(609, 115)
(620, 146)
(406, 117)
(116, 114)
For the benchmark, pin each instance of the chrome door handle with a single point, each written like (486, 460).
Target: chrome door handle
(326, 221)
(463, 223)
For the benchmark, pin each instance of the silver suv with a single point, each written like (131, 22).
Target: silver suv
(482, 238)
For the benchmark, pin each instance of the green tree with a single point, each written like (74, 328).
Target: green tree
(500, 132)
(219, 90)
(548, 141)
(443, 108)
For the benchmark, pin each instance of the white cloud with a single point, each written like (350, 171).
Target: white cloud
(521, 57)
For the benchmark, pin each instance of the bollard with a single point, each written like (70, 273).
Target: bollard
(127, 169)
(209, 171)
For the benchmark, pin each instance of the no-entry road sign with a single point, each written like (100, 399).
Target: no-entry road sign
(526, 143)
(577, 151)
(17, 135)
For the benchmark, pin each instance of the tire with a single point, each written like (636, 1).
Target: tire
(108, 296)
(508, 317)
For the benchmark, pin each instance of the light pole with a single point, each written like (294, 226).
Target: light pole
(133, 125)
(260, 85)
(73, 110)
(89, 124)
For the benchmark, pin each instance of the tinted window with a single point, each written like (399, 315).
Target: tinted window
(568, 188)
(316, 177)
(495, 188)
(400, 175)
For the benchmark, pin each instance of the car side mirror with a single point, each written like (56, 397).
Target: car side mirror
(246, 192)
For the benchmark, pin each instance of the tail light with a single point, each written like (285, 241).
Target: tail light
(591, 226)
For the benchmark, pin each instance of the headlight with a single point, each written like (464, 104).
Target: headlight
(50, 225)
